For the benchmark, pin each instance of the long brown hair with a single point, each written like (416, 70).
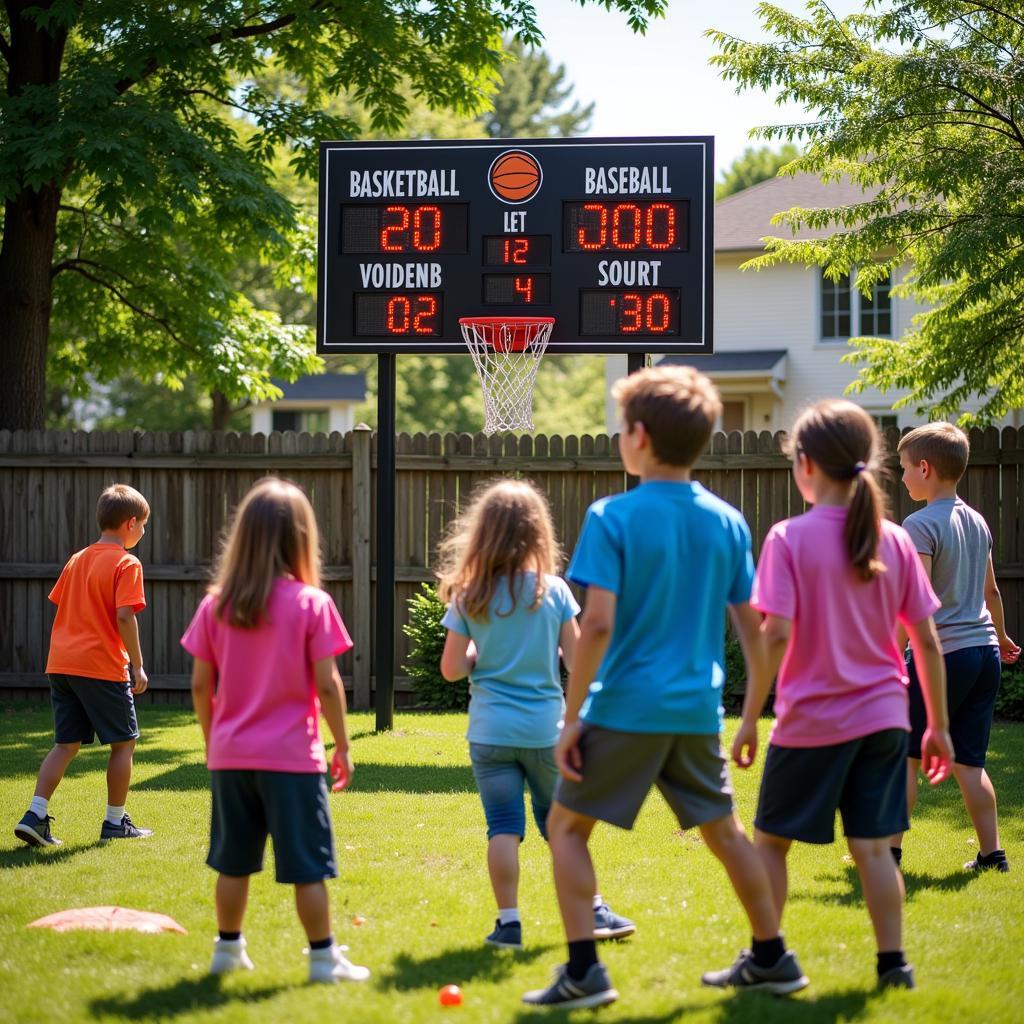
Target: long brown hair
(505, 530)
(273, 534)
(842, 439)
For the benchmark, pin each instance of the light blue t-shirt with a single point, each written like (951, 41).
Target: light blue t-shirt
(674, 555)
(515, 691)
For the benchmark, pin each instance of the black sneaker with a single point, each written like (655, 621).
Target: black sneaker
(609, 925)
(36, 831)
(127, 829)
(506, 936)
(994, 861)
(897, 977)
(595, 989)
(783, 978)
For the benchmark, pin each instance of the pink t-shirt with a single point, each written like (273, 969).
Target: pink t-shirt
(266, 714)
(843, 675)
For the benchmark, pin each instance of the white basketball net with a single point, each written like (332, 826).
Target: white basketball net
(507, 356)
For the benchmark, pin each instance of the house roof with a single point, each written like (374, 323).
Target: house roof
(326, 387)
(753, 361)
(743, 219)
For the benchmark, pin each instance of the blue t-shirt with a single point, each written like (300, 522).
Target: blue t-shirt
(515, 691)
(674, 555)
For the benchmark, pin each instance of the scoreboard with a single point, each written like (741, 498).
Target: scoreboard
(612, 237)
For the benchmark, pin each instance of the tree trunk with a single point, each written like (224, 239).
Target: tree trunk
(29, 234)
(221, 410)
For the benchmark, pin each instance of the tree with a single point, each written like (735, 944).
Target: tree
(753, 166)
(130, 194)
(528, 102)
(919, 101)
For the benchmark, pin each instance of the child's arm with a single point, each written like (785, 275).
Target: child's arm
(568, 638)
(595, 635)
(1008, 650)
(202, 695)
(936, 745)
(128, 627)
(458, 656)
(331, 692)
(763, 647)
(902, 637)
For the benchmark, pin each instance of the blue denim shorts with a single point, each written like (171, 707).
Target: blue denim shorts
(501, 774)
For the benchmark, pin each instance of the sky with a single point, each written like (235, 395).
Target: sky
(662, 83)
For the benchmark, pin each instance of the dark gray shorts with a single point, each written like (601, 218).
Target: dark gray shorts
(864, 779)
(87, 708)
(619, 769)
(290, 807)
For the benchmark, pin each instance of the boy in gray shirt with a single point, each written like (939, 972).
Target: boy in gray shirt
(955, 545)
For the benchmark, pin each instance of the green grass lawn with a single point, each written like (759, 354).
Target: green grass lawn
(411, 844)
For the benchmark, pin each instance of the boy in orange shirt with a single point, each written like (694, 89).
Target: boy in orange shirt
(95, 664)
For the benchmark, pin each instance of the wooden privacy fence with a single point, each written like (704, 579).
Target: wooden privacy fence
(49, 482)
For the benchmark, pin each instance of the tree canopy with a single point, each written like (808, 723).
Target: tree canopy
(918, 101)
(136, 153)
(754, 165)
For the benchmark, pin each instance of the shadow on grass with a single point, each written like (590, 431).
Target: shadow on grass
(192, 775)
(33, 856)
(185, 996)
(762, 1008)
(470, 962)
(412, 778)
(913, 881)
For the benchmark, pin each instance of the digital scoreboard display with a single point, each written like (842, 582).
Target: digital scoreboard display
(611, 237)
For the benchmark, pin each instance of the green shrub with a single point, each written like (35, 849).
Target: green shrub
(1010, 702)
(433, 691)
(736, 679)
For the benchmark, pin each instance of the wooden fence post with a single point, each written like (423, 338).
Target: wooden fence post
(362, 599)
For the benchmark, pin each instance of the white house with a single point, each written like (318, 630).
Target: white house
(780, 333)
(323, 402)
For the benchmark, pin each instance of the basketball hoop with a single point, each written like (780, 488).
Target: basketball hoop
(507, 352)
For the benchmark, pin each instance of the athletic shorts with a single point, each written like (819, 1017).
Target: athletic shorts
(84, 709)
(290, 807)
(619, 769)
(501, 774)
(972, 685)
(864, 779)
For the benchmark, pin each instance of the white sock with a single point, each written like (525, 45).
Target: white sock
(597, 900)
(39, 806)
(115, 814)
(508, 915)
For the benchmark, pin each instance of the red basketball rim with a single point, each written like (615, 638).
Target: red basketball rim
(519, 333)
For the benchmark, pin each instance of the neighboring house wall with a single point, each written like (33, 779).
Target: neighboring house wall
(341, 416)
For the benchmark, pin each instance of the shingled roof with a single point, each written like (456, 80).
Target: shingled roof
(743, 219)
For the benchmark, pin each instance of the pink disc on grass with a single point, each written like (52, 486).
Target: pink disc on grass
(108, 919)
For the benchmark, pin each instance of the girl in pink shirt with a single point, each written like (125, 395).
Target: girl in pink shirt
(833, 585)
(264, 641)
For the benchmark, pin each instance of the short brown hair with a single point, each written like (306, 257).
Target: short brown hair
(942, 445)
(119, 503)
(678, 407)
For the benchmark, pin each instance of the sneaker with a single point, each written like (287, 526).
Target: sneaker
(998, 862)
(327, 966)
(36, 831)
(127, 829)
(609, 925)
(230, 955)
(783, 978)
(506, 936)
(897, 977)
(594, 990)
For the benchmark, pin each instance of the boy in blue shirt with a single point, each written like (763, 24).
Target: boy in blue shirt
(660, 563)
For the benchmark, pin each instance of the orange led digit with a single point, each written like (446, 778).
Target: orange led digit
(656, 313)
(632, 307)
(660, 226)
(626, 238)
(602, 227)
(426, 309)
(524, 287)
(421, 240)
(398, 314)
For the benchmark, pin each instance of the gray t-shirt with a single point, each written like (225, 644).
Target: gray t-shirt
(958, 540)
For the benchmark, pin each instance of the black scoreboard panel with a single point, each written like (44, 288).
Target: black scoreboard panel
(612, 237)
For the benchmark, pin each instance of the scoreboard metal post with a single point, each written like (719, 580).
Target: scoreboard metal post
(614, 238)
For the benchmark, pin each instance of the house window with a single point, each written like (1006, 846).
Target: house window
(310, 420)
(835, 307)
(886, 420)
(876, 311)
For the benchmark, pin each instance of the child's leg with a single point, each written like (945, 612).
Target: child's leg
(747, 872)
(314, 909)
(980, 800)
(54, 765)
(913, 770)
(503, 867)
(883, 890)
(575, 883)
(119, 772)
(773, 851)
(231, 897)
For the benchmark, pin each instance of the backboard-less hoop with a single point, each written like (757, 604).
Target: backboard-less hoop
(507, 352)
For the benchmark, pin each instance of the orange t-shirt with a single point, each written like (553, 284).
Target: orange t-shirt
(85, 641)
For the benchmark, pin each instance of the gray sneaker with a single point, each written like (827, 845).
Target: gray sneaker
(783, 978)
(609, 925)
(36, 831)
(127, 829)
(595, 989)
(506, 936)
(897, 977)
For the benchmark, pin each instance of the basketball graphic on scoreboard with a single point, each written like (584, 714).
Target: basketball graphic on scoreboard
(613, 238)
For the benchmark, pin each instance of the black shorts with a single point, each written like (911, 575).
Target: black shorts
(864, 779)
(290, 807)
(87, 708)
(972, 685)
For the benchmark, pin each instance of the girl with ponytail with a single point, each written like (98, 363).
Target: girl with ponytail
(834, 585)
